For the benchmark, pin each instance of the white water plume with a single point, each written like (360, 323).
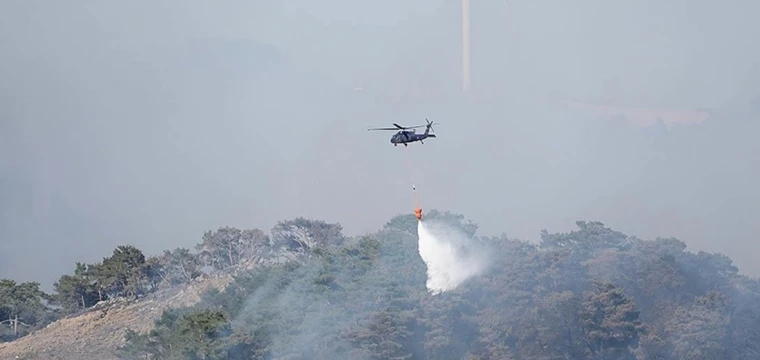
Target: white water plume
(450, 257)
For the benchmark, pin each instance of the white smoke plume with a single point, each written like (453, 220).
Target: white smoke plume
(450, 256)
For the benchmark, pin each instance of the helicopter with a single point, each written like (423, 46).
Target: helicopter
(408, 135)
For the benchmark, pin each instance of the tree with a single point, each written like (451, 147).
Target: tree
(558, 328)
(77, 291)
(154, 272)
(610, 322)
(180, 334)
(403, 222)
(301, 234)
(744, 330)
(451, 329)
(254, 245)
(468, 227)
(593, 293)
(408, 223)
(22, 308)
(221, 248)
(384, 335)
(123, 272)
(699, 330)
(587, 240)
(178, 266)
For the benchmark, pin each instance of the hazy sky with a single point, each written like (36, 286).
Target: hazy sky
(147, 123)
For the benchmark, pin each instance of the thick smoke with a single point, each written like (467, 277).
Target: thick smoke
(450, 256)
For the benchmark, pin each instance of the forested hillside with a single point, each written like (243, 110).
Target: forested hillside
(306, 291)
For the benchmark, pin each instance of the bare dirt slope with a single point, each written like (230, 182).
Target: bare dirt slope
(97, 333)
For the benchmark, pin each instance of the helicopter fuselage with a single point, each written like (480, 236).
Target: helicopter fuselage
(407, 134)
(405, 137)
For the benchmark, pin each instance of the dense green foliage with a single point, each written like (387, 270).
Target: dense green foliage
(593, 293)
(23, 309)
(128, 273)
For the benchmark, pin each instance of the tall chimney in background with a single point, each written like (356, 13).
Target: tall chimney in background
(465, 45)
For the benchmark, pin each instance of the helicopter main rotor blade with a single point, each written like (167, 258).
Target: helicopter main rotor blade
(399, 127)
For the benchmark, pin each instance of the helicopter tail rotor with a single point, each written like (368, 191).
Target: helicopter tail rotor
(430, 125)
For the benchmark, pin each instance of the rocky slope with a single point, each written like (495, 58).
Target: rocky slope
(96, 333)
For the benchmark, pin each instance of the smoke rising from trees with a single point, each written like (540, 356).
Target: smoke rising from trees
(590, 293)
